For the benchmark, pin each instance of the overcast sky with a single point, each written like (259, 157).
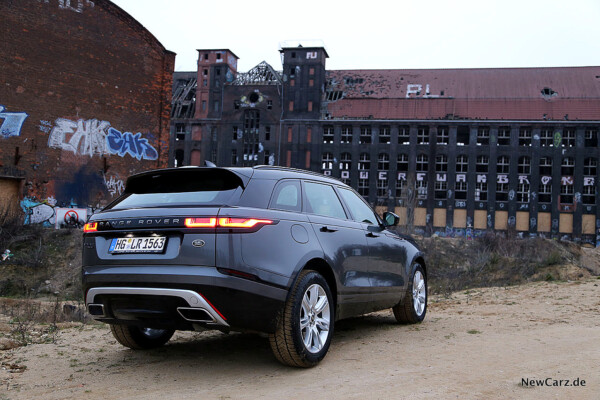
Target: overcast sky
(380, 34)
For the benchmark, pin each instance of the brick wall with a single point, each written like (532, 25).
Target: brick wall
(84, 99)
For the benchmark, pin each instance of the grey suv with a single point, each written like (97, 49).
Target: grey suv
(266, 249)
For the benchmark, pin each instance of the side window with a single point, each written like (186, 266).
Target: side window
(361, 212)
(322, 200)
(286, 196)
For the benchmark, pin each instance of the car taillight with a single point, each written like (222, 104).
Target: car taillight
(242, 222)
(200, 222)
(90, 227)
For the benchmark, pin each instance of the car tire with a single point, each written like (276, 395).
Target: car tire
(140, 338)
(413, 307)
(305, 325)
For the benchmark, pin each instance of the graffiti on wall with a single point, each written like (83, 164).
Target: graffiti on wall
(39, 212)
(114, 185)
(128, 143)
(92, 137)
(72, 5)
(12, 122)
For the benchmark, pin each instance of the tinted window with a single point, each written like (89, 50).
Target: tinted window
(181, 188)
(360, 211)
(322, 200)
(287, 196)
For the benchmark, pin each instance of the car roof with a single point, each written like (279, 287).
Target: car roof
(263, 172)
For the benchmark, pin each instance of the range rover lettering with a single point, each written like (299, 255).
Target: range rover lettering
(264, 249)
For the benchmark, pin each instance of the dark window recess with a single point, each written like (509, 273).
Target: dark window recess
(567, 167)
(545, 166)
(236, 104)
(293, 54)
(235, 132)
(269, 104)
(334, 95)
(180, 132)
(267, 133)
(234, 157)
(218, 56)
(591, 138)
(483, 136)
(205, 72)
(384, 135)
(423, 135)
(462, 136)
(218, 71)
(253, 97)
(525, 137)
(292, 72)
(206, 56)
(403, 134)
(328, 134)
(365, 135)
(547, 92)
(504, 136)
(179, 154)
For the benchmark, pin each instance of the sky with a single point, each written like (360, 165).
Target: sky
(378, 34)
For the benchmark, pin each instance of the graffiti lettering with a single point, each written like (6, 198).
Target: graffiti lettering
(589, 181)
(345, 175)
(461, 178)
(81, 137)
(460, 204)
(382, 175)
(532, 223)
(546, 180)
(481, 178)
(440, 177)
(566, 180)
(128, 143)
(70, 4)
(502, 179)
(114, 185)
(512, 221)
(523, 179)
(511, 195)
(421, 176)
(364, 175)
(401, 176)
(12, 122)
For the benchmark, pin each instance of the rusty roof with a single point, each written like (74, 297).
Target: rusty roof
(489, 93)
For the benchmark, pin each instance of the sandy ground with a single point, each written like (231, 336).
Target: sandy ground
(478, 344)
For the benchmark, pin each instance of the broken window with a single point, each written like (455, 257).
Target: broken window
(180, 132)
(462, 163)
(523, 192)
(545, 166)
(545, 192)
(364, 162)
(440, 189)
(345, 167)
(442, 135)
(346, 134)
(591, 137)
(384, 134)
(382, 179)
(501, 191)
(365, 135)
(334, 95)
(462, 136)
(423, 135)
(525, 136)
(218, 56)
(503, 165)
(568, 139)
(566, 194)
(403, 134)
(589, 195)
(441, 163)
(590, 167)
(402, 164)
(567, 167)
(483, 136)
(547, 92)
(422, 163)
(524, 166)
(504, 136)
(481, 191)
(328, 134)
(482, 164)
(547, 137)
(421, 187)
(460, 190)
(327, 162)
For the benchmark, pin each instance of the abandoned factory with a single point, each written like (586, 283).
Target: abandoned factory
(452, 151)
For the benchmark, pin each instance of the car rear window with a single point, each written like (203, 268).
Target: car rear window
(199, 187)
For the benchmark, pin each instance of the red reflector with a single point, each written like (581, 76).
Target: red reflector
(90, 227)
(200, 222)
(242, 222)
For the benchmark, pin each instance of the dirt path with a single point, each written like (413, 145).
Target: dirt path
(475, 345)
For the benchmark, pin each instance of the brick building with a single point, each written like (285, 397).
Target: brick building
(447, 149)
(84, 102)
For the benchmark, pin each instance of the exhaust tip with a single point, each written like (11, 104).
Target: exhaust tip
(96, 310)
(195, 314)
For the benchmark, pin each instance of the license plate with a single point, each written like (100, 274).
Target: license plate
(154, 244)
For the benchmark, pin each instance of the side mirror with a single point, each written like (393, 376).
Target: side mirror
(390, 219)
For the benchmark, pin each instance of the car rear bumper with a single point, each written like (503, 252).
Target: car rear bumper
(180, 297)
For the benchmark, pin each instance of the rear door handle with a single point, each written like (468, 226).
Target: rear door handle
(372, 235)
(326, 229)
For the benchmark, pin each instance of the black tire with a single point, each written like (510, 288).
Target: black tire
(140, 338)
(406, 311)
(287, 342)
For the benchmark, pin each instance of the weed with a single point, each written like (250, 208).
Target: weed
(473, 331)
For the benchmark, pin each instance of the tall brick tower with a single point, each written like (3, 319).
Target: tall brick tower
(303, 77)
